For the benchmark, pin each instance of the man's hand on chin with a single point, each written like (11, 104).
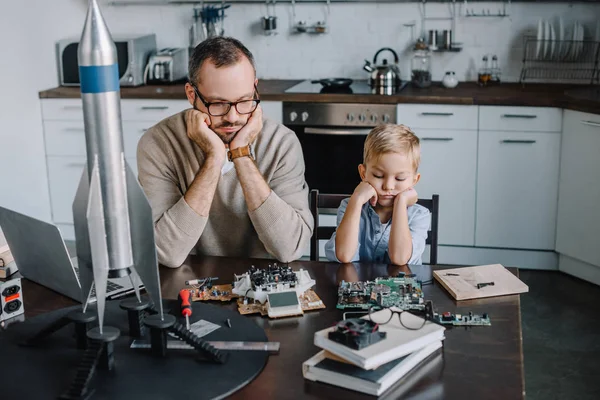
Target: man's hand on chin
(249, 132)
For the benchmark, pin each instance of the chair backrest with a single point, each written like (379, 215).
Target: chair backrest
(332, 201)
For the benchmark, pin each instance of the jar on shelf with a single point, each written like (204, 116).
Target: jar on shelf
(421, 65)
(484, 76)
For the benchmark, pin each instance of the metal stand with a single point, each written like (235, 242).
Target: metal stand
(571, 61)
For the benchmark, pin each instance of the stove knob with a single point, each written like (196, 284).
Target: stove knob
(362, 117)
(293, 116)
(304, 116)
(386, 118)
(350, 117)
(373, 118)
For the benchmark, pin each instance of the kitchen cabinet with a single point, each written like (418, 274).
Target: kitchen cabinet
(448, 135)
(448, 168)
(517, 189)
(578, 221)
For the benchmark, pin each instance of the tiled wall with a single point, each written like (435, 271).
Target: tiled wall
(357, 31)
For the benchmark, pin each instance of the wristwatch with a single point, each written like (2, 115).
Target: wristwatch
(245, 151)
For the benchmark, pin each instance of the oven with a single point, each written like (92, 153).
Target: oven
(332, 136)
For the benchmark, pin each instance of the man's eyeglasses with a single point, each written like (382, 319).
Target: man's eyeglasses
(220, 108)
(385, 315)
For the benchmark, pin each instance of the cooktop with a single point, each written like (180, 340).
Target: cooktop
(357, 87)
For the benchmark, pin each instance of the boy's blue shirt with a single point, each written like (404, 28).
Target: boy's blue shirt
(373, 236)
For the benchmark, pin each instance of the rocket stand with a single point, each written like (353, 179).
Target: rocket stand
(99, 353)
(77, 317)
(135, 315)
(158, 338)
(158, 332)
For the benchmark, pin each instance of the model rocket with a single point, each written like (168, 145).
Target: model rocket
(113, 219)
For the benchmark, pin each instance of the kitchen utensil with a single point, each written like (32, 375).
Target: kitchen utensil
(384, 74)
(450, 80)
(167, 65)
(433, 35)
(447, 39)
(334, 83)
(269, 21)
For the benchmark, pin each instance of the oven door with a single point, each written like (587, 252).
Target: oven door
(332, 155)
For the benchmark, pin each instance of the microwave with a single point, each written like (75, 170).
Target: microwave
(133, 52)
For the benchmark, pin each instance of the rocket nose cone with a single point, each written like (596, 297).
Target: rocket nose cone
(96, 46)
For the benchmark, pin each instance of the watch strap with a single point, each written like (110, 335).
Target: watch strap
(244, 151)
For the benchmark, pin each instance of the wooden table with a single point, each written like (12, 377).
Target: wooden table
(479, 362)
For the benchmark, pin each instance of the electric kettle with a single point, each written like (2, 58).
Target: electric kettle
(384, 75)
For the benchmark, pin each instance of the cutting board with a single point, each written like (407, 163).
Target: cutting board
(461, 283)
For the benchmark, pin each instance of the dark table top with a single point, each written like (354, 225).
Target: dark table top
(478, 362)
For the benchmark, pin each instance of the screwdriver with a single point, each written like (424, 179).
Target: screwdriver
(186, 307)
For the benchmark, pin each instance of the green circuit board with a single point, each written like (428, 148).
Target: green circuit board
(469, 319)
(402, 291)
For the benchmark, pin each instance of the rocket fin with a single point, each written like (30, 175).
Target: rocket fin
(145, 260)
(84, 252)
(97, 235)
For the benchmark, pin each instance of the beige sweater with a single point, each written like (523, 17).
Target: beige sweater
(281, 227)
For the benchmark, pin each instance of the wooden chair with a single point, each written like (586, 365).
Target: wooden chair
(332, 201)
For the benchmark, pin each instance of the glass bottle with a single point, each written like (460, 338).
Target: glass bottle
(421, 65)
(484, 75)
(495, 70)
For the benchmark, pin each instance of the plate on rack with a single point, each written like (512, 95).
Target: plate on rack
(562, 44)
(546, 33)
(552, 40)
(540, 36)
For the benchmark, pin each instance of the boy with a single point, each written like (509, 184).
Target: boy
(381, 222)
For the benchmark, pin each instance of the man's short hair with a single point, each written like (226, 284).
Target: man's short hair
(221, 51)
(392, 139)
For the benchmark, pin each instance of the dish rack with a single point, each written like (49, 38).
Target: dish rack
(566, 60)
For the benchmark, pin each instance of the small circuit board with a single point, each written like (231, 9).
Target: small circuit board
(214, 293)
(469, 319)
(309, 301)
(402, 291)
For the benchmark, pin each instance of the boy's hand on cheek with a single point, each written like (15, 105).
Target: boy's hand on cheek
(365, 192)
(407, 198)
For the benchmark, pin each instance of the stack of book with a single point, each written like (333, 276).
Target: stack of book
(7, 263)
(375, 368)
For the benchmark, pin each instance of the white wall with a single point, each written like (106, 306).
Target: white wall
(30, 28)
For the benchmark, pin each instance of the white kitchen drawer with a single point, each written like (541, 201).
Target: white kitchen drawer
(64, 174)
(62, 109)
(67, 138)
(437, 116)
(151, 110)
(524, 119)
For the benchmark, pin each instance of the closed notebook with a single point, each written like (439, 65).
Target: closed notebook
(399, 342)
(374, 382)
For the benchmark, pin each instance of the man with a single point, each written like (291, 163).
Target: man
(222, 180)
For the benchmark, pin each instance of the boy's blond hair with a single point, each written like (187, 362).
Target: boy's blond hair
(392, 139)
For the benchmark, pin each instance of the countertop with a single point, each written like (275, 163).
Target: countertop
(573, 97)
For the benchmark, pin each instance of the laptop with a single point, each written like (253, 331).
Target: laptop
(41, 255)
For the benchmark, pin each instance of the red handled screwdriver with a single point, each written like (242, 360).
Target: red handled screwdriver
(186, 306)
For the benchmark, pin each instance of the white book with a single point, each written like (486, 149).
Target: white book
(399, 341)
(374, 382)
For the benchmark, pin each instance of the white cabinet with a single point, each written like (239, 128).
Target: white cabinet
(448, 168)
(578, 224)
(64, 174)
(517, 189)
(448, 135)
